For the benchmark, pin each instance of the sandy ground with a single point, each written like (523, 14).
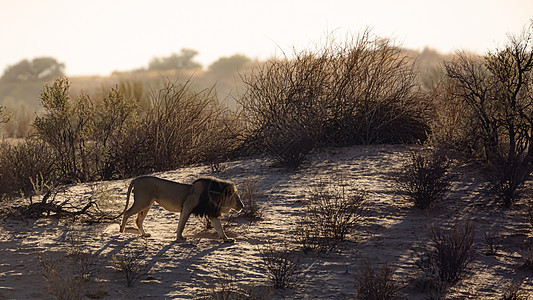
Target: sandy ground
(393, 232)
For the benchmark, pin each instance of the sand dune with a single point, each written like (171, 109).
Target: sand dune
(392, 232)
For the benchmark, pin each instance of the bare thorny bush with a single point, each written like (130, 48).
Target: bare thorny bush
(131, 263)
(424, 178)
(249, 191)
(331, 214)
(447, 261)
(360, 92)
(181, 127)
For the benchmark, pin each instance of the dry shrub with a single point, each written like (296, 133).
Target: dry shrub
(424, 178)
(453, 124)
(330, 215)
(446, 262)
(360, 92)
(105, 199)
(179, 127)
(284, 267)
(377, 283)
(62, 286)
(131, 264)
(227, 288)
(69, 277)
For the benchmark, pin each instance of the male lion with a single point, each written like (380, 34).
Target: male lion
(205, 197)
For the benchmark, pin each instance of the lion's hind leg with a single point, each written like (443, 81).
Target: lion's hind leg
(140, 219)
(137, 208)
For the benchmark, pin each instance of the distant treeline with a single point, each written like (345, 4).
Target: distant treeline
(365, 90)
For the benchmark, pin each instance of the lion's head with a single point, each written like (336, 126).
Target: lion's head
(217, 197)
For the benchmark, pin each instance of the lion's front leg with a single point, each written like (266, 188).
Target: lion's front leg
(186, 210)
(218, 227)
(184, 216)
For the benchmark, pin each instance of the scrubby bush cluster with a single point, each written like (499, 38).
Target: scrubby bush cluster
(361, 92)
(121, 134)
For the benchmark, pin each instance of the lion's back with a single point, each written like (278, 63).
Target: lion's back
(162, 189)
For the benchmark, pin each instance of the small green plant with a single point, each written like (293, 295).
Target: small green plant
(377, 283)
(131, 264)
(284, 268)
(424, 178)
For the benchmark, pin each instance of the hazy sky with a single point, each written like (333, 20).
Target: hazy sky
(100, 36)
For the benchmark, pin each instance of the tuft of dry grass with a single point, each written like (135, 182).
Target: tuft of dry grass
(249, 192)
(527, 257)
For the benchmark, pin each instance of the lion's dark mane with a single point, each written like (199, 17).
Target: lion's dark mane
(215, 187)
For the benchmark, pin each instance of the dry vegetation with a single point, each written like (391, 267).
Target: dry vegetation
(475, 119)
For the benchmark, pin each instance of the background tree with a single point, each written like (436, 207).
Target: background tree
(181, 61)
(229, 65)
(497, 91)
(42, 68)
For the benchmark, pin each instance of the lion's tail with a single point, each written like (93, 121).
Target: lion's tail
(127, 199)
